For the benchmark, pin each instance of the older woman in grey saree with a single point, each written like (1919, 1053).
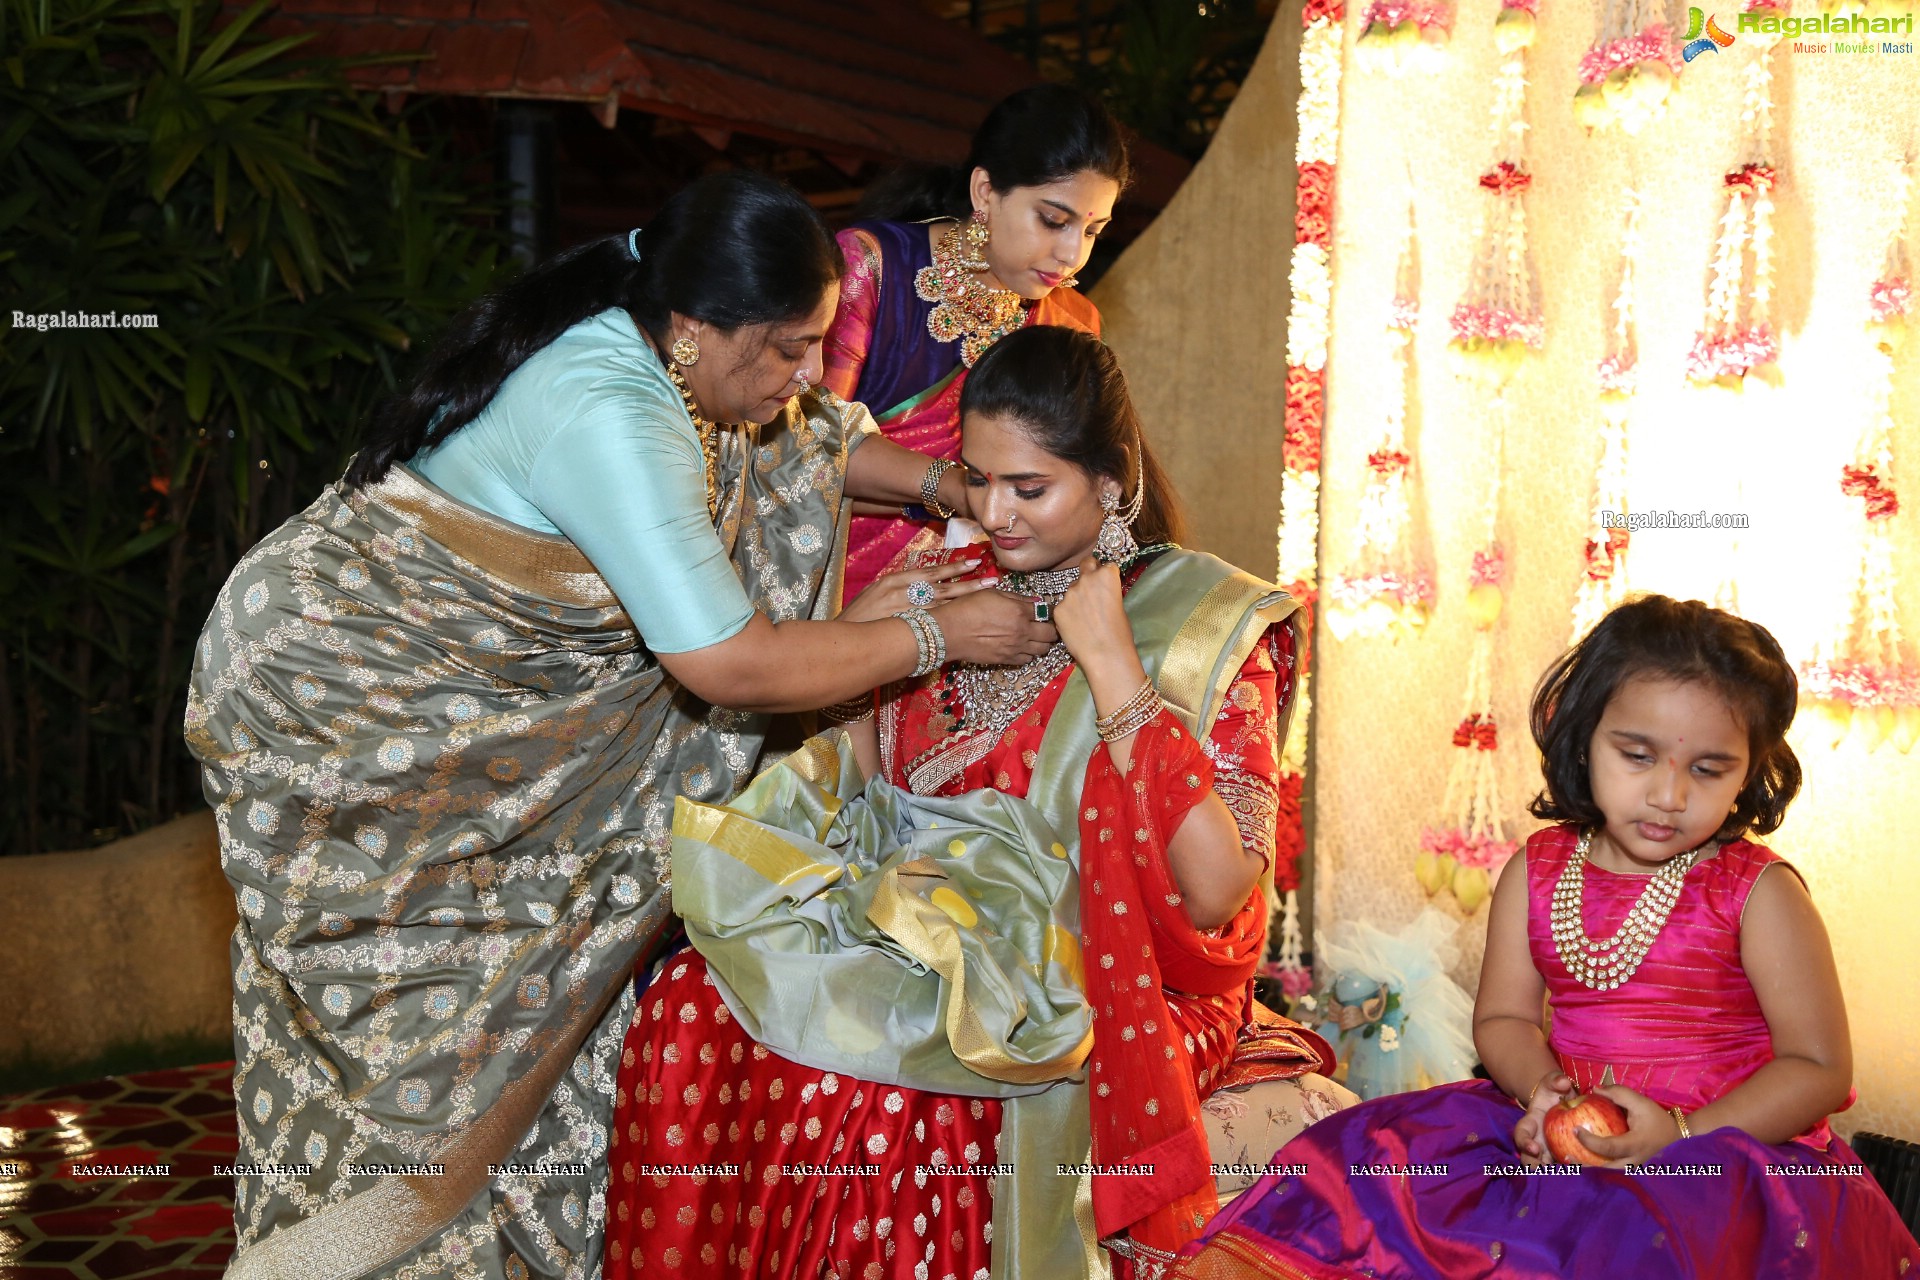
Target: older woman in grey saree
(443, 742)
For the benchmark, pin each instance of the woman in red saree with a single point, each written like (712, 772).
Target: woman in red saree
(947, 261)
(1066, 855)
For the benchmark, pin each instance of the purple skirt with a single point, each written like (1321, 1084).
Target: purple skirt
(1428, 1184)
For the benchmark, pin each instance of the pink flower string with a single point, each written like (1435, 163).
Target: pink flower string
(1387, 461)
(1403, 589)
(1734, 353)
(1484, 852)
(1477, 731)
(1394, 12)
(1603, 554)
(1766, 6)
(1530, 6)
(1405, 315)
(1506, 179)
(1866, 482)
(1619, 373)
(1469, 321)
(1655, 44)
(1489, 567)
(1861, 684)
(1753, 177)
(1892, 298)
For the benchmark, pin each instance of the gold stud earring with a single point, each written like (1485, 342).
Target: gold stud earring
(686, 352)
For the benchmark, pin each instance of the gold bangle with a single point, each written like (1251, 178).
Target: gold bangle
(930, 488)
(1135, 700)
(1680, 1118)
(852, 711)
(1132, 716)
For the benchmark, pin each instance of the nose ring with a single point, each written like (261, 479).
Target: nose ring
(1010, 520)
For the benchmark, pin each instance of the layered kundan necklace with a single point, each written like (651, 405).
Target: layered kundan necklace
(709, 433)
(968, 308)
(986, 700)
(1604, 965)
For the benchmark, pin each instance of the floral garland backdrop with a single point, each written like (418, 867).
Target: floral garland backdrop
(1497, 327)
(1298, 539)
(1781, 489)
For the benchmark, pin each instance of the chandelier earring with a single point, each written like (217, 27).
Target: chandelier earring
(977, 235)
(686, 352)
(1115, 543)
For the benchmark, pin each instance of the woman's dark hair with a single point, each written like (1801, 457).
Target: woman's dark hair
(734, 248)
(1037, 135)
(1064, 387)
(1667, 639)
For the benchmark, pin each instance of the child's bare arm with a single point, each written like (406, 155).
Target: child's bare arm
(1507, 1013)
(1784, 949)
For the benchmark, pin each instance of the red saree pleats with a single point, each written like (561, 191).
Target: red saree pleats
(835, 1177)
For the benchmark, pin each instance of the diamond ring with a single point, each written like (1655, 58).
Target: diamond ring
(919, 593)
(1042, 611)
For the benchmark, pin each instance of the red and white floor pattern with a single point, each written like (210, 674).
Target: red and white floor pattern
(115, 1179)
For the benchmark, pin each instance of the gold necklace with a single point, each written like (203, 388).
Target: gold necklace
(968, 309)
(709, 439)
(1604, 965)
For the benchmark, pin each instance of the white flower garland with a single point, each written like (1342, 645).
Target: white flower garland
(1308, 318)
(1865, 682)
(1603, 579)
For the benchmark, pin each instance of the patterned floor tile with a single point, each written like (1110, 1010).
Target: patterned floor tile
(113, 1179)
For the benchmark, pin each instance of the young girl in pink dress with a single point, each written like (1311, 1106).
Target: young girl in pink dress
(1688, 978)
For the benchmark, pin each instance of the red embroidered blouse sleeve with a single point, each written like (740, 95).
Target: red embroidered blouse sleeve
(850, 335)
(1245, 743)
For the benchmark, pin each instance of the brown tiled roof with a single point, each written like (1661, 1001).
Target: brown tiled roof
(877, 80)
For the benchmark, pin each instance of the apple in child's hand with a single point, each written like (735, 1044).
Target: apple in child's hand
(1601, 1117)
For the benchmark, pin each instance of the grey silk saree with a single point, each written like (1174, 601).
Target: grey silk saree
(444, 767)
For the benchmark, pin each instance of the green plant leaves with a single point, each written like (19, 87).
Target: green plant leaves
(164, 158)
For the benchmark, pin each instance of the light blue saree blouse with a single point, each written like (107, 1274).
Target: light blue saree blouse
(589, 439)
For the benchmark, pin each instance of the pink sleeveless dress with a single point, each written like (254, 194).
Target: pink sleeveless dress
(1426, 1184)
(1687, 1027)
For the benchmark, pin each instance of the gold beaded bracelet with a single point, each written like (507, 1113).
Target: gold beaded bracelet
(1132, 715)
(852, 711)
(1135, 700)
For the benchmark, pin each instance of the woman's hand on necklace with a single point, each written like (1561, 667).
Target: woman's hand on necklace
(1094, 626)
